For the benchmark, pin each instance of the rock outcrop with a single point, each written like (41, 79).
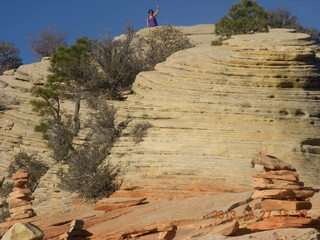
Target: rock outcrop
(211, 108)
(23, 231)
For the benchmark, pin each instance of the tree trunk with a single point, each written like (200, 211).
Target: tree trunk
(76, 119)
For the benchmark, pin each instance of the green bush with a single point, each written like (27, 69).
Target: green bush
(243, 17)
(9, 57)
(219, 41)
(28, 163)
(163, 42)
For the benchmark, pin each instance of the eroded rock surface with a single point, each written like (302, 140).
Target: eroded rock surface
(212, 108)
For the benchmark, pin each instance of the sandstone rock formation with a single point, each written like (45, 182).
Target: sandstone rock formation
(211, 108)
(19, 200)
(23, 231)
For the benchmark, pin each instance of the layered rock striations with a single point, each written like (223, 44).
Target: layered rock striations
(211, 108)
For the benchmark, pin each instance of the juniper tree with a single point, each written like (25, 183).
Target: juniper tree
(9, 56)
(243, 17)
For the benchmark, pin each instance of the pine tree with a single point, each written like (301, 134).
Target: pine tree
(243, 18)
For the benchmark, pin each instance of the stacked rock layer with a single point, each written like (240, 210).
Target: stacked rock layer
(284, 199)
(213, 107)
(19, 200)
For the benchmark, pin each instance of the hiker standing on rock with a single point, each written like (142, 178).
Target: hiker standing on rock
(151, 20)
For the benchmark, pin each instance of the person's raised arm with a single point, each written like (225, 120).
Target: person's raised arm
(156, 13)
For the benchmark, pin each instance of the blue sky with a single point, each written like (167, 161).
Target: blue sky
(21, 19)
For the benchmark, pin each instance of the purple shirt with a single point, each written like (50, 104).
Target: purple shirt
(152, 21)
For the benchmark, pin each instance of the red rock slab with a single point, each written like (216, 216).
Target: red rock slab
(227, 229)
(20, 175)
(262, 181)
(304, 193)
(284, 172)
(262, 186)
(271, 162)
(274, 194)
(278, 181)
(21, 209)
(21, 183)
(284, 222)
(270, 175)
(273, 204)
(109, 204)
(17, 203)
(20, 195)
(21, 190)
(27, 214)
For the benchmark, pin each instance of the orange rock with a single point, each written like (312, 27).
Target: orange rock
(284, 222)
(271, 175)
(304, 193)
(17, 203)
(284, 172)
(21, 183)
(17, 216)
(273, 204)
(20, 175)
(274, 193)
(262, 181)
(229, 229)
(22, 190)
(262, 186)
(279, 181)
(21, 209)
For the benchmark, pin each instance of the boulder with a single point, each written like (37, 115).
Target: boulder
(23, 231)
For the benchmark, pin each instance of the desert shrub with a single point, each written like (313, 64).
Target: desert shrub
(243, 17)
(139, 131)
(28, 163)
(282, 18)
(9, 56)
(5, 189)
(219, 41)
(4, 100)
(116, 63)
(163, 42)
(47, 42)
(89, 176)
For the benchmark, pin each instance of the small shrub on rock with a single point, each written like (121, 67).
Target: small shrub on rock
(163, 42)
(89, 176)
(5, 189)
(28, 163)
(139, 131)
(243, 17)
